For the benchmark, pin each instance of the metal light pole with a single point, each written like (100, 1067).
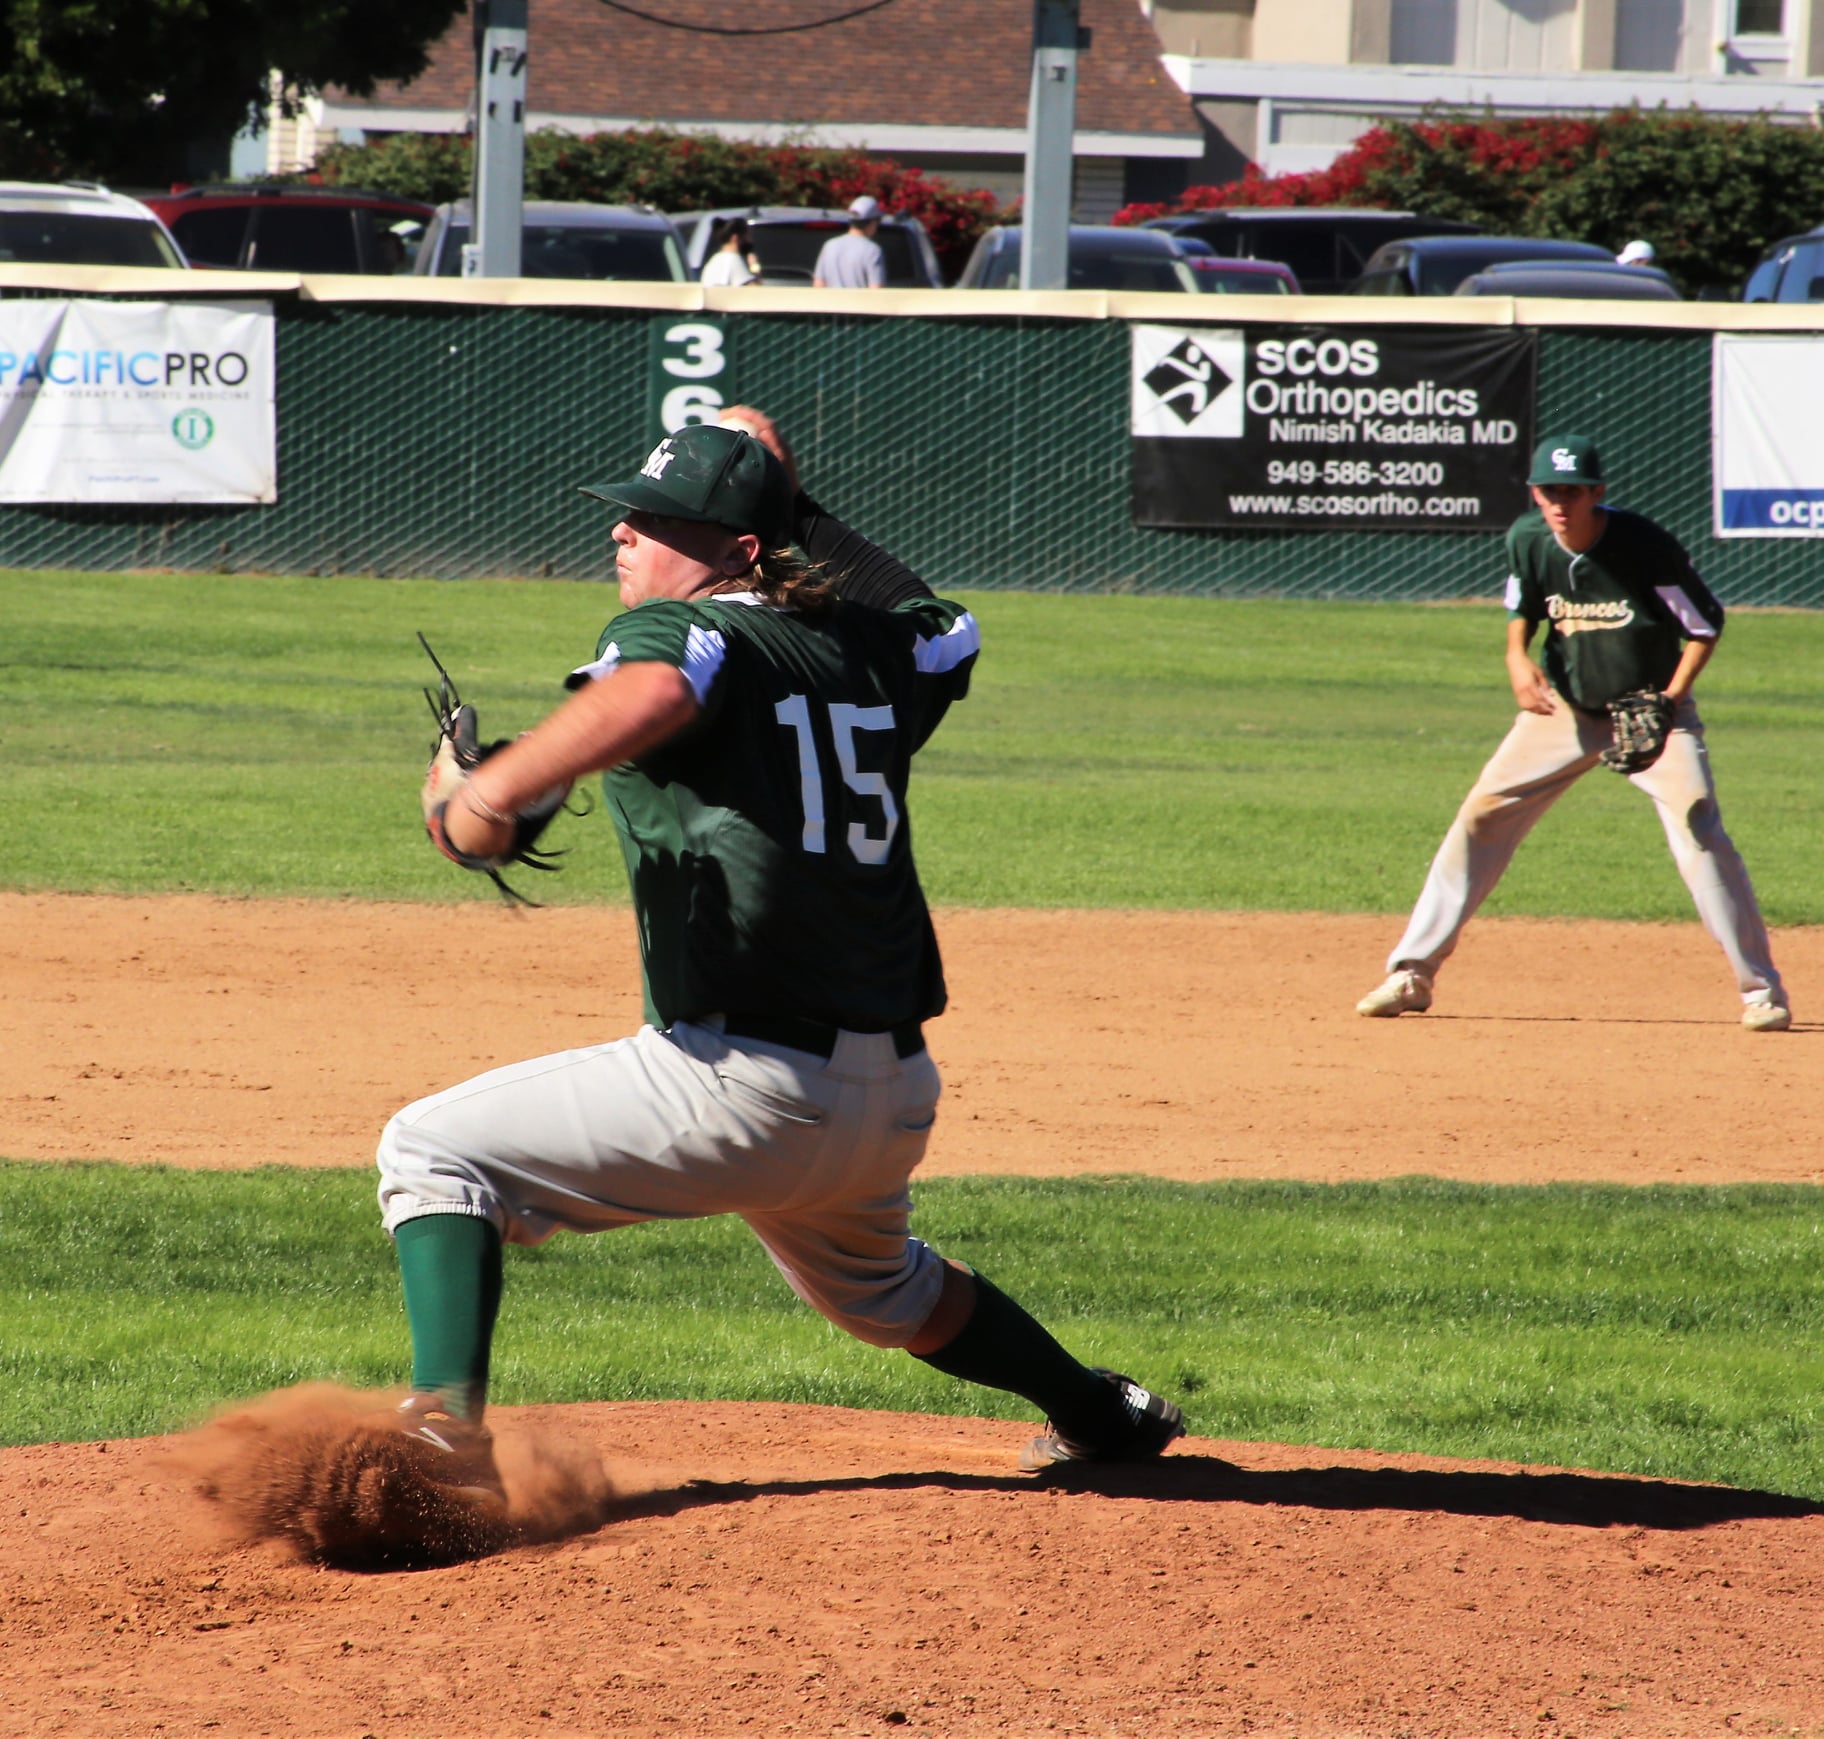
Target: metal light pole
(500, 140)
(1051, 123)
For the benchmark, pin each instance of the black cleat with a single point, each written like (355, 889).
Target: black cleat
(1153, 1423)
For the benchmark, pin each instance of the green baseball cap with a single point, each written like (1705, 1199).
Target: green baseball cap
(709, 473)
(1566, 459)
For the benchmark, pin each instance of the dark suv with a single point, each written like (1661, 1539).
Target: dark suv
(1436, 265)
(1099, 258)
(565, 238)
(1789, 271)
(271, 227)
(1325, 246)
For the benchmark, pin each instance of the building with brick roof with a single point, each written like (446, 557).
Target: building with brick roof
(937, 84)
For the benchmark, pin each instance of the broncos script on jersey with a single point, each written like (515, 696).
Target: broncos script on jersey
(1617, 615)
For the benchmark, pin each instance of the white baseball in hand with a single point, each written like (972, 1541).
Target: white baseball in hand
(743, 424)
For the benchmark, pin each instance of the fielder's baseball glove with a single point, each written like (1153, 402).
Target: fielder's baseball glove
(1642, 721)
(455, 755)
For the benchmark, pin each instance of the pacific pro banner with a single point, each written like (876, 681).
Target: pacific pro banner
(136, 402)
(1767, 422)
(1313, 427)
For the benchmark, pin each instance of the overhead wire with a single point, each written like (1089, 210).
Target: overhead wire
(749, 30)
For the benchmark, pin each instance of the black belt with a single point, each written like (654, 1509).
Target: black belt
(815, 1036)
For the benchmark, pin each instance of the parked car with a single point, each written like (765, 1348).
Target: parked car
(1224, 277)
(786, 239)
(1789, 271)
(1593, 278)
(79, 224)
(1324, 247)
(1100, 259)
(565, 239)
(270, 227)
(1436, 265)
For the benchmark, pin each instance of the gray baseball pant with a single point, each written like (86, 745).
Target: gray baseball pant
(814, 1154)
(1538, 761)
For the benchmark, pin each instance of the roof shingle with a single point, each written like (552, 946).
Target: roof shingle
(941, 63)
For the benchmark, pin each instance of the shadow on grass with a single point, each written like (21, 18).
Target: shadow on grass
(1581, 1500)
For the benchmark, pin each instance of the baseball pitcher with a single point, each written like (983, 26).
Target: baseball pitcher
(755, 710)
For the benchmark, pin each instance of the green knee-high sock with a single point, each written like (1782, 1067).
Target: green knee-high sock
(450, 1267)
(1002, 1347)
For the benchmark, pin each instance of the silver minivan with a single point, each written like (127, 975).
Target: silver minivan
(80, 224)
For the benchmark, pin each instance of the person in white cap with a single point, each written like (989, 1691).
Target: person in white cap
(854, 261)
(1636, 254)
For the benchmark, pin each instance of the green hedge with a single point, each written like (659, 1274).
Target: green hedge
(672, 171)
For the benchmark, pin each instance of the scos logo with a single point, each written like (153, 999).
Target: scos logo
(1563, 459)
(1187, 382)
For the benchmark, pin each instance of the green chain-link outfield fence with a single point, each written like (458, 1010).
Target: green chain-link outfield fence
(446, 440)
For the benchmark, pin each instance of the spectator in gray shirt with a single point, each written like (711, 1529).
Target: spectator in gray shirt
(854, 261)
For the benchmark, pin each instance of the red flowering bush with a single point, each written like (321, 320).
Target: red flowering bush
(673, 172)
(1708, 193)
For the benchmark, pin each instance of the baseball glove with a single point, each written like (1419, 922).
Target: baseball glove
(1642, 722)
(455, 755)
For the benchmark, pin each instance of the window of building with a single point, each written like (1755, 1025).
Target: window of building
(1649, 35)
(1423, 33)
(1760, 17)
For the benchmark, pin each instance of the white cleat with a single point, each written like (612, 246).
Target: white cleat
(1408, 991)
(1766, 1017)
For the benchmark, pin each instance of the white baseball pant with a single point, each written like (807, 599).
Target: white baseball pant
(1538, 761)
(813, 1154)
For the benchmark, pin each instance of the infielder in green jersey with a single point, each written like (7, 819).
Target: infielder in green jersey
(755, 709)
(1624, 610)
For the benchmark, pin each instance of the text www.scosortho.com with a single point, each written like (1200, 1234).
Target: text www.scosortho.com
(1388, 504)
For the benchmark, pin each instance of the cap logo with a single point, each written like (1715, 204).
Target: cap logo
(1563, 459)
(658, 460)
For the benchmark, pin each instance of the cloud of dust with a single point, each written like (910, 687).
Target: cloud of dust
(322, 1470)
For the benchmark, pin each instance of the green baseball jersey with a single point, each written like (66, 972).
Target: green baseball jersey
(769, 846)
(1617, 615)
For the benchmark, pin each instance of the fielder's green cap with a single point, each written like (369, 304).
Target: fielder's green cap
(1566, 459)
(709, 473)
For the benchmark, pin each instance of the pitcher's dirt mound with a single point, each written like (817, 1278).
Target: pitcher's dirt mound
(1188, 1045)
(797, 1570)
(776, 1570)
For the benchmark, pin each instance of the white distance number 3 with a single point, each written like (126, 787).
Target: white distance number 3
(794, 712)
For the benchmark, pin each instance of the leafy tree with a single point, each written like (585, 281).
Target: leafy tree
(674, 172)
(1709, 193)
(123, 90)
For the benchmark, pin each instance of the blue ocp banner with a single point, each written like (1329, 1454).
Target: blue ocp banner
(1795, 512)
(1767, 434)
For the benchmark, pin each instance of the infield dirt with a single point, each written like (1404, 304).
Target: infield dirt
(797, 1570)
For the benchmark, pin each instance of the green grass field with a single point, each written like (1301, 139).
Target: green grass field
(1674, 1332)
(264, 737)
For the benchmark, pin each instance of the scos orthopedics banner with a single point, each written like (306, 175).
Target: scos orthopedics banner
(1318, 428)
(137, 402)
(1767, 434)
